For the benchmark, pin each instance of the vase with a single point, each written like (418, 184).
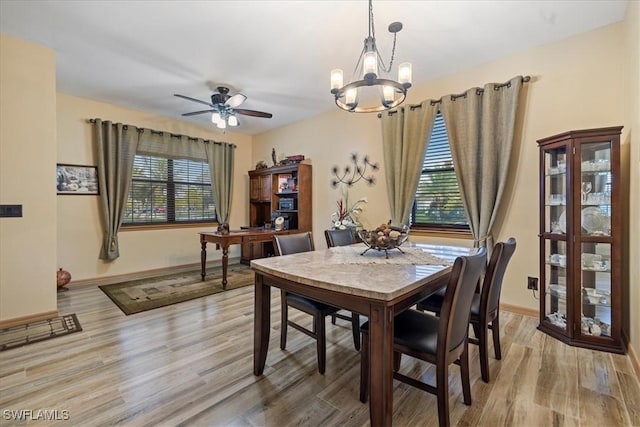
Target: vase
(62, 278)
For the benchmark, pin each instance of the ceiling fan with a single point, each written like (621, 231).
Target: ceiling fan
(223, 108)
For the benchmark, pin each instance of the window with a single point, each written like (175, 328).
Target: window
(438, 203)
(169, 191)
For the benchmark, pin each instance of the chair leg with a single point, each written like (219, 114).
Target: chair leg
(364, 369)
(321, 342)
(333, 319)
(476, 330)
(442, 393)
(284, 320)
(397, 359)
(484, 356)
(495, 329)
(355, 329)
(464, 375)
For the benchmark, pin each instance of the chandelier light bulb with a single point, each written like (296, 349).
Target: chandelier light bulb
(337, 80)
(351, 97)
(215, 118)
(404, 74)
(370, 65)
(222, 124)
(233, 121)
(387, 94)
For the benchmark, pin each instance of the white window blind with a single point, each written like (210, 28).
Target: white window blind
(438, 202)
(166, 190)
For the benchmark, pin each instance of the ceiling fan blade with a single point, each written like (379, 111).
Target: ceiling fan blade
(235, 100)
(198, 112)
(253, 113)
(192, 99)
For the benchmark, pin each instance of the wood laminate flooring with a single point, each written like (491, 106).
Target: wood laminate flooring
(191, 364)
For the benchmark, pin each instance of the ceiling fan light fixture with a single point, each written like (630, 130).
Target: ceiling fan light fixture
(369, 64)
(223, 108)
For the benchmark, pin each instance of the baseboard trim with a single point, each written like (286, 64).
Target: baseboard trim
(108, 280)
(17, 321)
(525, 311)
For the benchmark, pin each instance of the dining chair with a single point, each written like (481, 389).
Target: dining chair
(287, 244)
(344, 238)
(485, 307)
(437, 340)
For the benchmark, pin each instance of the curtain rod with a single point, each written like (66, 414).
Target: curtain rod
(524, 79)
(173, 135)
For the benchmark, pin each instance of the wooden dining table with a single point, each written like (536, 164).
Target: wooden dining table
(368, 284)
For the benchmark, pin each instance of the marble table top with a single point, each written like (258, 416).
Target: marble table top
(343, 269)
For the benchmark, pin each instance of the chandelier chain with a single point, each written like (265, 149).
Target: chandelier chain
(372, 33)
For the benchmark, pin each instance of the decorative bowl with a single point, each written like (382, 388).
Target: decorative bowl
(384, 238)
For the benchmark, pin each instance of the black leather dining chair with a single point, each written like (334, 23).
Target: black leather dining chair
(437, 340)
(344, 238)
(485, 307)
(287, 244)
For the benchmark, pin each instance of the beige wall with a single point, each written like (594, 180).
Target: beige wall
(632, 106)
(79, 232)
(577, 83)
(27, 165)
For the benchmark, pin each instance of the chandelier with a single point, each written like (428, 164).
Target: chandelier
(390, 93)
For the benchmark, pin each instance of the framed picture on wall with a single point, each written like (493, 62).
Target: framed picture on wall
(77, 179)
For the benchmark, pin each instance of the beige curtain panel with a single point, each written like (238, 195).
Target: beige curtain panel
(480, 124)
(405, 135)
(115, 146)
(220, 156)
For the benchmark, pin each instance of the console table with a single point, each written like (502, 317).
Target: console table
(231, 238)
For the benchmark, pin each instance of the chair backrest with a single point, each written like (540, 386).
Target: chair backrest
(339, 237)
(286, 244)
(492, 284)
(456, 307)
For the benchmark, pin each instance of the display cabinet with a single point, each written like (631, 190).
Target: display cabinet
(581, 297)
(279, 191)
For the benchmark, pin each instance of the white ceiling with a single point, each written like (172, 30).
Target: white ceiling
(137, 54)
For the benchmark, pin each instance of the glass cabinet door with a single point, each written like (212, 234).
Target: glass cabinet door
(596, 289)
(595, 229)
(556, 283)
(556, 191)
(555, 229)
(595, 188)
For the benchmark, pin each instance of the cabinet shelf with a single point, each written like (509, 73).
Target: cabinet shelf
(581, 301)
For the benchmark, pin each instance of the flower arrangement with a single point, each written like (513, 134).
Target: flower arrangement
(347, 216)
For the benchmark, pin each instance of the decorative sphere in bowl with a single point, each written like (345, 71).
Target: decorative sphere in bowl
(384, 237)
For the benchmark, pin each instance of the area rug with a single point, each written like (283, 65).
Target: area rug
(17, 336)
(146, 294)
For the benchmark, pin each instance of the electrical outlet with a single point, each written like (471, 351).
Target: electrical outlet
(532, 283)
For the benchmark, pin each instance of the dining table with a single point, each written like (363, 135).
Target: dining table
(375, 284)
